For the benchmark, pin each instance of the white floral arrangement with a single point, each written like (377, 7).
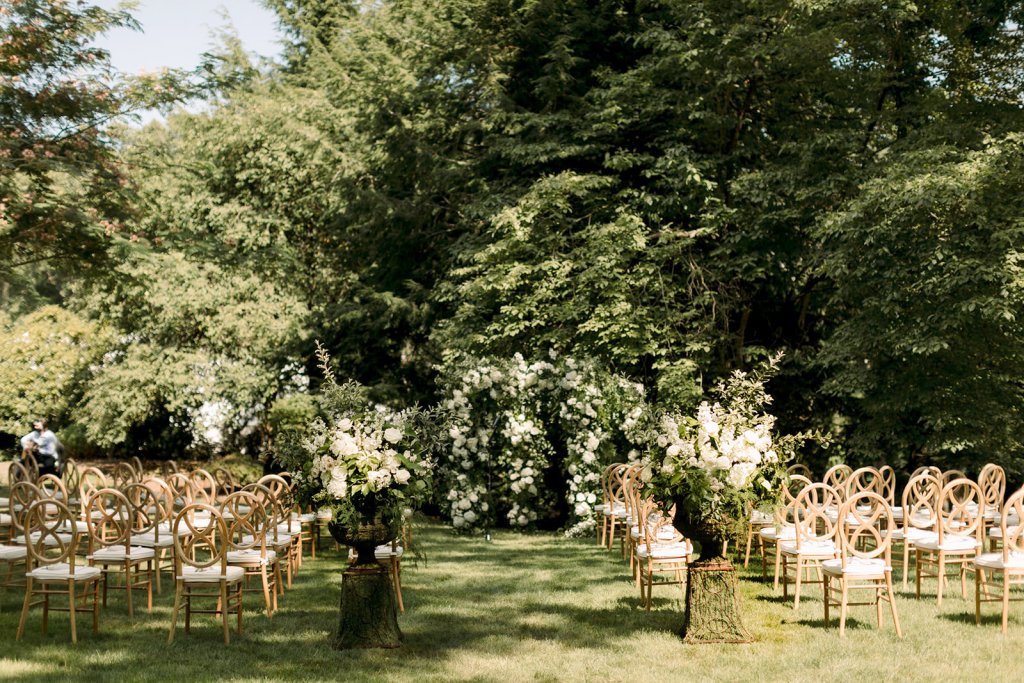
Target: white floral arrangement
(504, 415)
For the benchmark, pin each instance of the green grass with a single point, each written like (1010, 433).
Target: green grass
(521, 608)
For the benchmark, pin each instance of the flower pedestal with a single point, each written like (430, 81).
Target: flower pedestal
(712, 600)
(369, 613)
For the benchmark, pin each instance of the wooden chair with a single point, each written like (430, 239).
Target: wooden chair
(51, 568)
(783, 529)
(90, 480)
(288, 524)
(957, 537)
(865, 558)
(151, 504)
(663, 550)
(52, 487)
(950, 475)
(1009, 563)
(140, 471)
(72, 478)
(616, 506)
(992, 481)
(390, 555)
(110, 517)
(801, 470)
(920, 505)
(605, 509)
(246, 525)
(226, 482)
(278, 539)
(204, 487)
(814, 540)
(124, 474)
(836, 477)
(200, 561)
(167, 468)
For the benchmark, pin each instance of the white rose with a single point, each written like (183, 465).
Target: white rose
(470, 516)
(402, 476)
(464, 504)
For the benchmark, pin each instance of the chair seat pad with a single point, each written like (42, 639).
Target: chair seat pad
(282, 540)
(305, 517)
(75, 526)
(950, 542)
(788, 533)
(912, 533)
(12, 553)
(211, 574)
(859, 567)
(617, 509)
(149, 539)
(995, 561)
(4, 502)
(997, 532)
(758, 517)
(251, 556)
(663, 552)
(62, 572)
(183, 530)
(5, 519)
(810, 548)
(386, 552)
(116, 553)
(324, 514)
(50, 541)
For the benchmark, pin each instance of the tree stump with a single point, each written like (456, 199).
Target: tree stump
(369, 615)
(712, 604)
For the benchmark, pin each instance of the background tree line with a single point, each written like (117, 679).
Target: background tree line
(675, 188)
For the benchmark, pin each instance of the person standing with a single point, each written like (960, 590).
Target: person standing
(46, 447)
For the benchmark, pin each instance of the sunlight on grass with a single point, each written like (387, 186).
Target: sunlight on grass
(523, 608)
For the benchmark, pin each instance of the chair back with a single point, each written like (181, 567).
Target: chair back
(992, 481)
(888, 484)
(656, 525)
(31, 466)
(246, 522)
(167, 468)
(811, 514)
(921, 501)
(109, 517)
(181, 487)
(90, 480)
(50, 486)
(150, 507)
(800, 469)
(863, 479)
(20, 498)
(836, 477)
(124, 474)
(46, 539)
(786, 513)
(632, 486)
(199, 538)
(140, 472)
(960, 505)
(950, 475)
(204, 487)
(226, 481)
(1013, 535)
(865, 527)
(615, 492)
(19, 472)
(71, 476)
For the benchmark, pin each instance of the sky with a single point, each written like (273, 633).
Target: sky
(175, 32)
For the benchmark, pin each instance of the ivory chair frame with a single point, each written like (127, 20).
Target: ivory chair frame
(663, 550)
(200, 562)
(864, 531)
(814, 540)
(1009, 563)
(110, 518)
(958, 536)
(246, 527)
(51, 568)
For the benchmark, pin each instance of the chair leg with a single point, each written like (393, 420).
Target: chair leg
(978, 580)
(906, 562)
(25, 607)
(128, 587)
(224, 611)
(266, 589)
(174, 611)
(942, 576)
(71, 610)
(1006, 599)
(799, 582)
(842, 608)
(750, 540)
(892, 604)
(826, 588)
(397, 571)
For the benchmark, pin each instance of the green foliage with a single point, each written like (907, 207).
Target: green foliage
(44, 358)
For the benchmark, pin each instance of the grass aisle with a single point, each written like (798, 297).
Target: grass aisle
(521, 608)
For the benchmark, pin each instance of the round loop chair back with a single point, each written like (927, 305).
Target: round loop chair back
(799, 469)
(140, 471)
(22, 495)
(167, 468)
(18, 472)
(50, 486)
(90, 480)
(273, 514)
(181, 487)
(124, 474)
(109, 517)
(836, 477)
(992, 481)
(1013, 535)
(950, 475)
(204, 487)
(960, 509)
(31, 466)
(921, 501)
(811, 513)
(71, 475)
(226, 481)
(861, 480)
(865, 526)
(246, 521)
(199, 536)
(46, 538)
(149, 506)
(888, 485)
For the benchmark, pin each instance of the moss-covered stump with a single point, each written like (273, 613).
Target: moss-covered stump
(369, 614)
(712, 604)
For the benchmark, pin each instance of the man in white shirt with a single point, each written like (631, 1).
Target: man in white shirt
(45, 446)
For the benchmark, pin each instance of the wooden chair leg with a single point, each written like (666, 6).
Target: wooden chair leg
(174, 612)
(843, 607)
(25, 608)
(224, 611)
(892, 605)
(71, 610)
(1006, 599)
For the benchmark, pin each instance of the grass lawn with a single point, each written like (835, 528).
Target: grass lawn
(521, 608)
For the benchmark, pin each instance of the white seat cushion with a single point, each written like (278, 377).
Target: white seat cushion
(809, 548)
(5, 502)
(950, 543)
(251, 556)
(74, 526)
(758, 517)
(997, 532)
(995, 561)
(116, 553)
(304, 518)
(149, 539)
(62, 572)
(787, 533)
(617, 509)
(211, 574)
(324, 514)
(913, 533)
(64, 538)
(5, 519)
(859, 567)
(282, 540)
(664, 552)
(386, 552)
(12, 553)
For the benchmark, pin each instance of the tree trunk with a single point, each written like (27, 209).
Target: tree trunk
(369, 616)
(712, 604)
